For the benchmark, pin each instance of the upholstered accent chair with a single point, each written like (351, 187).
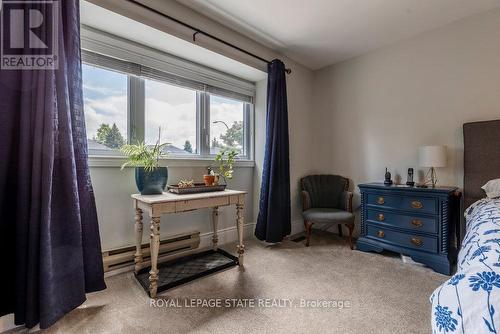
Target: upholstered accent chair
(326, 199)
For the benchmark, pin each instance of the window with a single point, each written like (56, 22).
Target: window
(173, 111)
(196, 110)
(227, 128)
(105, 106)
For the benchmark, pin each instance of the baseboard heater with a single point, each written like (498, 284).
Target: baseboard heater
(170, 248)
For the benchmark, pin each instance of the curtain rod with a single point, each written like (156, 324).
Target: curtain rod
(199, 31)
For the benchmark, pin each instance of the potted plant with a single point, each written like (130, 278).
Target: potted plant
(150, 178)
(225, 162)
(209, 178)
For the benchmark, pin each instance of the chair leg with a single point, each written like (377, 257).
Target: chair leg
(308, 227)
(340, 230)
(351, 229)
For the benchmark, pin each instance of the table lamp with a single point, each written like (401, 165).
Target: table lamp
(432, 157)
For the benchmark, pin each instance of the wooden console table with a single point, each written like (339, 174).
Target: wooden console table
(156, 205)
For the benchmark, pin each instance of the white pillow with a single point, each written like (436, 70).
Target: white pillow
(492, 188)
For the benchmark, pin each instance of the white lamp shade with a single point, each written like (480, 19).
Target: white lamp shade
(432, 156)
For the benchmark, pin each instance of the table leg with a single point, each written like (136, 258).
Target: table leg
(215, 222)
(138, 240)
(239, 224)
(154, 244)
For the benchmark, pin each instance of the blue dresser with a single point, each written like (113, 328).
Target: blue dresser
(418, 222)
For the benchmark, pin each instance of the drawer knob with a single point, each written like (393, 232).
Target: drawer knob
(416, 222)
(380, 234)
(380, 200)
(381, 217)
(417, 205)
(416, 241)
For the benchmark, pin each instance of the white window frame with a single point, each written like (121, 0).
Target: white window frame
(247, 129)
(131, 57)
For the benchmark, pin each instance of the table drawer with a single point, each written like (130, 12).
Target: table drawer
(414, 223)
(201, 203)
(417, 204)
(422, 243)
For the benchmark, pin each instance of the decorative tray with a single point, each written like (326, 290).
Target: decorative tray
(197, 188)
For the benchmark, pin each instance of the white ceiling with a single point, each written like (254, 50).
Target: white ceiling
(317, 33)
(110, 22)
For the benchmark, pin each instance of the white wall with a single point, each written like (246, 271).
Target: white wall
(260, 140)
(377, 109)
(300, 117)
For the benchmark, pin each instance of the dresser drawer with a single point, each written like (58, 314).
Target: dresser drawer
(422, 243)
(414, 223)
(385, 201)
(417, 204)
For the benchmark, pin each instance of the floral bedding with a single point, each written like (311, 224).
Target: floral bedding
(469, 302)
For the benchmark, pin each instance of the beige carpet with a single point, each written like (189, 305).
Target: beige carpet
(386, 295)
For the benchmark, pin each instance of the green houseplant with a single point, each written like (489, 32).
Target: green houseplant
(150, 178)
(225, 162)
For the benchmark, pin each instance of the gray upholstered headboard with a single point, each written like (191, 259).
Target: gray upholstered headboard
(481, 157)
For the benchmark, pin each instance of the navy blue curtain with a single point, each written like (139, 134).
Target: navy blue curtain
(274, 220)
(49, 237)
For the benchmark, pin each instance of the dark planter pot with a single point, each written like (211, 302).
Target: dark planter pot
(151, 183)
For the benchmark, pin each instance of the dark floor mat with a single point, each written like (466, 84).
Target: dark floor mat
(299, 239)
(186, 269)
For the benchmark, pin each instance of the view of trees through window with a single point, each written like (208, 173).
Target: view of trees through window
(109, 136)
(226, 130)
(105, 107)
(170, 108)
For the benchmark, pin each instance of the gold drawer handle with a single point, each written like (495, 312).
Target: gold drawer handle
(416, 241)
(417, 205)
(417, 223)
(380, 200)
(381, 234)
(381, 217)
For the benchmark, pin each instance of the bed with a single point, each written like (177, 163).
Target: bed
(469, 302)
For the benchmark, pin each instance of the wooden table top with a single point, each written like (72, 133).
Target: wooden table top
(170, 197)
